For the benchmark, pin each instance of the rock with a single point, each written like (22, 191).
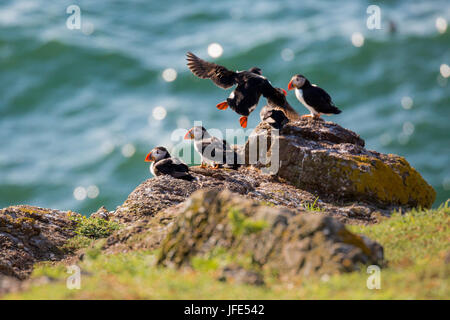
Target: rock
(238, 274)
(145, 233)
(101, 213)
(274, 240)
(9, 284)
(31, 234)
(163, 192)
(330, 161)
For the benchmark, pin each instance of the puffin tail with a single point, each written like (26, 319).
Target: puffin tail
(336, 110)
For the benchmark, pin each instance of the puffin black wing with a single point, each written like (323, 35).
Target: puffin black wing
(320, 100)
(174, 168)
(212, 146)
(272, 94)
(220, 75)
(276, 98)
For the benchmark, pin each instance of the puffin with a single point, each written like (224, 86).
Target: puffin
(314, 98)
(250, 85)
(274, 115)
(164, 164)
(212, 149)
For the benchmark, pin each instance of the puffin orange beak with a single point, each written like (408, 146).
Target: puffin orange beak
(149, 158)
(189, 135)
(284, 92)
(290, 85)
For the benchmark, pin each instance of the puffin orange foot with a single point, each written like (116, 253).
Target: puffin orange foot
(317, 117)
(216, 166)
(306, 116)
(222, 105)
(203, 165)
(243, 121)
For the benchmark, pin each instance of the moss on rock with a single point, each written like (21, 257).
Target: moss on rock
(277, 240)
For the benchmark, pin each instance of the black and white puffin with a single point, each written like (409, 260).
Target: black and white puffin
(314, 98)
(214, 152)
(250, 86)
(164, 164)
(274, 115)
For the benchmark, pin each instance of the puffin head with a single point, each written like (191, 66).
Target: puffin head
(197, 133)
(157, 154)
(297, 82)
(255, 70)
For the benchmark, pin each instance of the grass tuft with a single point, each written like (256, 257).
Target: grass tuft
(312, 206)
(94, 228)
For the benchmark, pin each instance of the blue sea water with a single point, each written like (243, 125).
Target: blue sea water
(76, 106)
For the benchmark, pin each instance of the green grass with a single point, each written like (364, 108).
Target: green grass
(243, 225)
(94, 228)
(76, 243)
(416, 245)
(87, 230)
(312, 206)
(416, 236)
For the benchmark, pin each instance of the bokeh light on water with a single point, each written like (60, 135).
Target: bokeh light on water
(128, 150)
(445, 70)
(159, 113)
(287, 54)
(441, 24)
(357, 39)
(215, 50)
(407, 103)
(169, 74)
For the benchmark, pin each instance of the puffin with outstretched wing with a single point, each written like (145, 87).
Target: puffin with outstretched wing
(250, 85)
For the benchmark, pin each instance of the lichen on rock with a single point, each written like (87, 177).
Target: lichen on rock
(326, 159)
